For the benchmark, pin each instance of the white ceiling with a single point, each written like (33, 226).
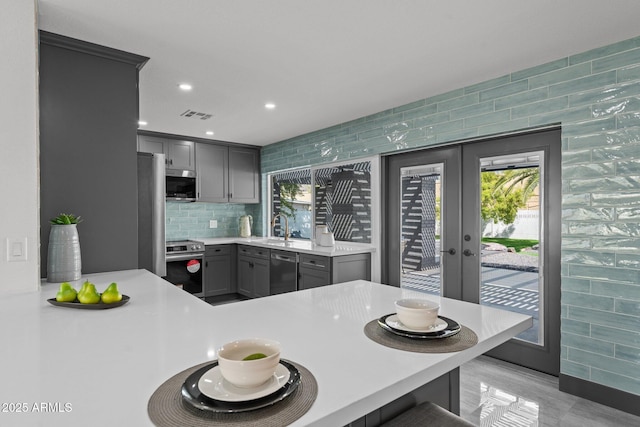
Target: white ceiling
(324, 62)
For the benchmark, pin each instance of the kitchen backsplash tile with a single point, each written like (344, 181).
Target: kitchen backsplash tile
(191, 220)
(594, 97)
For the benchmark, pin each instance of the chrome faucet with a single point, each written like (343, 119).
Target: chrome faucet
(286, 224)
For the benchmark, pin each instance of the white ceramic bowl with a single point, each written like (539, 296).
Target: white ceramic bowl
(417, 313)
(248, 373)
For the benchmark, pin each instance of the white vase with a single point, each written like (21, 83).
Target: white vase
(63, 262)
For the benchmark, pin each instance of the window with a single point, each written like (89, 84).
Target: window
(291, 195)
(337, 195)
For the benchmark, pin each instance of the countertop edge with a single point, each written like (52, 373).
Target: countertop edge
(300, 246)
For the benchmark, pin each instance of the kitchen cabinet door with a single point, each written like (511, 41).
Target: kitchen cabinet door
(228, 174)
(261, 285)
(211, 166)
(314, 271)
(181, 154)
(245, 276)
(244, 175)
(219, 277)
(150, 144)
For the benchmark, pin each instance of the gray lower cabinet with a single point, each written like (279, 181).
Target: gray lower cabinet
(219, 271)
(316, 270)
(253, 271)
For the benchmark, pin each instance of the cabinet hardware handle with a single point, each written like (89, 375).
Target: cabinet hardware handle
(314, 264)
(206, 263)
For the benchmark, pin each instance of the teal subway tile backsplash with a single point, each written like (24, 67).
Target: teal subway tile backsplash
(588, 344)
(615, 335)
(629, 307)
(605, 51)
(575, 327)
(603, 362)
(498, 81)
(504, 90)
(560, 75)
(539, 107)
(582, 84)
(191, 220)
(630, 354)
(627, 74)
(485, 119)
(574, 369)
(594, 97)
(540, 69)
(580, 299)
(618, 60)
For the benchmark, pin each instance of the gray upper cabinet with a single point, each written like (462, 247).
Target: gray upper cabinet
(150, 144)
(228, 174)
(179, 154)
(212, 164)
(244, 175)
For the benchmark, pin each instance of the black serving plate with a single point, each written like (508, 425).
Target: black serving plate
(451, 329)
(192, 395)
(98, 306)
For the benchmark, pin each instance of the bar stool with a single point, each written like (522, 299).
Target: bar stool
(427, 414)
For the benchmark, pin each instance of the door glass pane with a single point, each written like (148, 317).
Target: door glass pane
(511, 220)
(420, 222)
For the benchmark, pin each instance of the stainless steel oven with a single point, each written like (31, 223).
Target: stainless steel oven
(185, 262)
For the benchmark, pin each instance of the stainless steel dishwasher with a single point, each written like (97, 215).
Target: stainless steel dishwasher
(283, 272)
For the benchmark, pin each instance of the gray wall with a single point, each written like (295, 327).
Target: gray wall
(88, 124)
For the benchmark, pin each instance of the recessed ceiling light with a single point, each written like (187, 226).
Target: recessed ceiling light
(209, 132)
(142, 123)
(269, 105)
(185, 86)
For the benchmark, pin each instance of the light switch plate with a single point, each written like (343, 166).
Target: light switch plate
(16, 249)
(213, 223)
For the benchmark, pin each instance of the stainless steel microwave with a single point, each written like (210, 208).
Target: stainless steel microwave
(181, 185)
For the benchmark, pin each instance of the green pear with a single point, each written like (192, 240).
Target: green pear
(111, 294)
(88, 294)
(66, 293)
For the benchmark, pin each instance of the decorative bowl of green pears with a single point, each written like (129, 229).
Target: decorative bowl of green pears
(88, 297)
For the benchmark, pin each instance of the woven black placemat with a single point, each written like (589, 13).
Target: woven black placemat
(464, 339)
(166, 408)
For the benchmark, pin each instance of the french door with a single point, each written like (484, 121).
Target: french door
(480, 222)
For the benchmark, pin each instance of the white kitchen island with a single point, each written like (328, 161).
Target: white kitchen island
(71, 367)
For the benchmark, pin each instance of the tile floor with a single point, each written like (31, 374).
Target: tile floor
(496, 393)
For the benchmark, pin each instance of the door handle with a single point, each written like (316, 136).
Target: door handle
(451, 251)
(468, 252)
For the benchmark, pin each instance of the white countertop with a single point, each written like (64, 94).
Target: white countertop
(294, 245)
(99, 367)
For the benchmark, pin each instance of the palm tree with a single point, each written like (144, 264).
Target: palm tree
(525, 179)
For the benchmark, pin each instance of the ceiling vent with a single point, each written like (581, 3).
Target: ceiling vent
(196, 115)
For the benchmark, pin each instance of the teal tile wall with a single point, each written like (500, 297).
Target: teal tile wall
(191, 220)
(595, 97)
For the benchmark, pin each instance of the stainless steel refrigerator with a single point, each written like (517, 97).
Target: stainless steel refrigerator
(151, 213)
